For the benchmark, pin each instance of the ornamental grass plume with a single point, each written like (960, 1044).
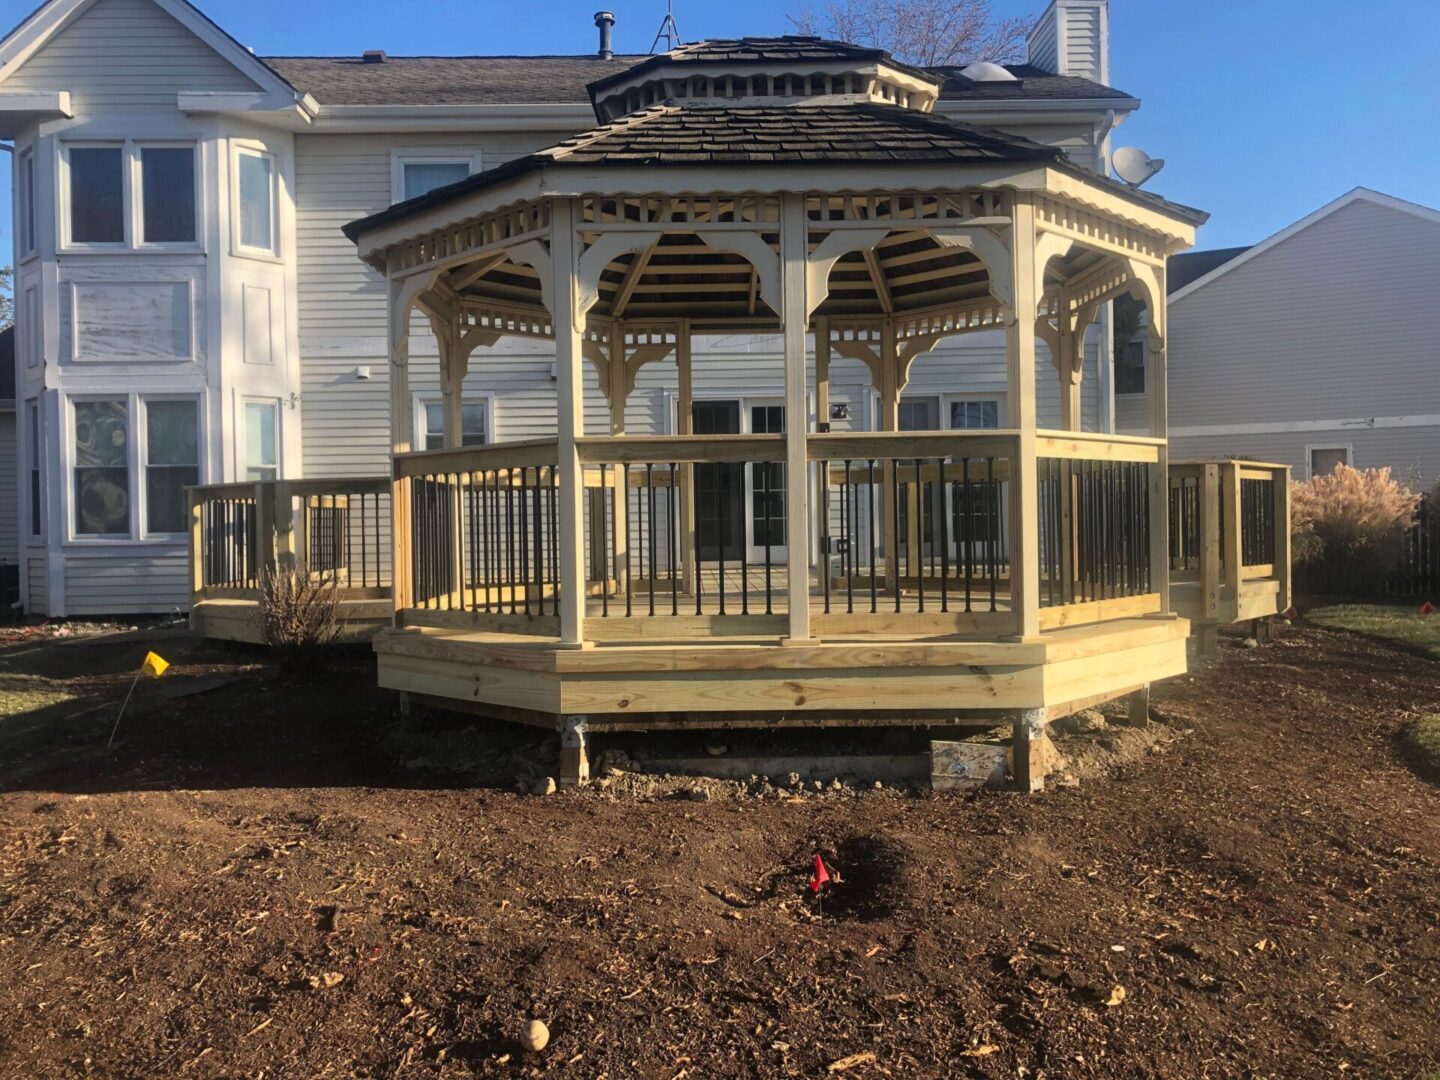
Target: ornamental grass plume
(1348, 528)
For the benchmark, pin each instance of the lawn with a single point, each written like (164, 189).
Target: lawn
(1401, 623)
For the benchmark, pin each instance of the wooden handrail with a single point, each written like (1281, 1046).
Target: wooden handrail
(908, 445)
(678, 449)
(467, 459)
(235, 490)
(1095, 446)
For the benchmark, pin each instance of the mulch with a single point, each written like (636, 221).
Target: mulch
(255, 884)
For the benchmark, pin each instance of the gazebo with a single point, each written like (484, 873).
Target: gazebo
(805, 188)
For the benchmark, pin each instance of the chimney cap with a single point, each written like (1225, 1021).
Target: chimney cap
(603, 17)
(373, 56)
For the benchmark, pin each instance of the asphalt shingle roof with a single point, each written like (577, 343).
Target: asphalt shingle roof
(1190, 266)
(695, 134)
(1035, 84)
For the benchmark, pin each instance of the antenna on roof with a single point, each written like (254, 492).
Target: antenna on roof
(668, 30)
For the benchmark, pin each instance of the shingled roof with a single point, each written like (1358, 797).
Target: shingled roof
(816, 135)
(532, 80)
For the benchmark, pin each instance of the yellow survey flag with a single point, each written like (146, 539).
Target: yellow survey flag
(154, 664)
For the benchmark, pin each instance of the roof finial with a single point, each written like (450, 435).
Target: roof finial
(668, 30)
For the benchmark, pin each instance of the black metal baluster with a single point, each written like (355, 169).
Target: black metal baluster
(847, 510)
(825, 539)
(722, 535)
(650, 532)
(606, 542)
(944, 490)
(673, 524)
(966, 520)
(919, 538)
(624, 493)
(993, 517)
(893, 557)
(871, 510)
(769, 538)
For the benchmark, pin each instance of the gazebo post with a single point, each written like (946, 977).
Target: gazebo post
(569, 418)
(1157, 400)
(1070, 341)
(889, 421)
(616, 398)
(1020, 355)
(795, 260)
(685, 425)
(402, 425)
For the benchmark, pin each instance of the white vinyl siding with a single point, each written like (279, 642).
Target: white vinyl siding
(122, 56)
(155, 581)
(1337, 322)
(36, 574)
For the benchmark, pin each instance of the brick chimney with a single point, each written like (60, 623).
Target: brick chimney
(1073, 38)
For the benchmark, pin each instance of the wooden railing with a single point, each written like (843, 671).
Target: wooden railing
(911, 532)
(335, 529)
(1229, 525)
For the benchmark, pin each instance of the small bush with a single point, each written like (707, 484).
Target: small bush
(1348, 529)
(300, 614)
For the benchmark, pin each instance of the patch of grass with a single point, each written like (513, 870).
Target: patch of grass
(1422, 740)
(1399, 623)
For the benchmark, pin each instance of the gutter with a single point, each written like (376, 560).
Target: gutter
(567, 117)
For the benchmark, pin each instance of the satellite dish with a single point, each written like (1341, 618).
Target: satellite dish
(1135, 166)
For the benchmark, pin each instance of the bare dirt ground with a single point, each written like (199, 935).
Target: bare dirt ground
(277, 880)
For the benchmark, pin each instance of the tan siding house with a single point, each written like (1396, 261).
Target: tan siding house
(1319, 344)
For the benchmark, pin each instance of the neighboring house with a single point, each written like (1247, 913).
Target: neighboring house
(1317, 346)
(189, 310)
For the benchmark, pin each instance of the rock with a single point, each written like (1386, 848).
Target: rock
(1084, 722)
(1250, 643)
(878, 786)
(698, 794)
(817, 785)
(715, 749)
(328, 980)
(545, 786)
(836, 785)
(1068, 780)
(793, 780)
(535, 1037)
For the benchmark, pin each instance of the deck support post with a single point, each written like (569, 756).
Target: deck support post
(574, 751)
(1207, 639)
(1027, 736)
(795, 264)
(1137, 707)
(569, 323)
(1020, 365)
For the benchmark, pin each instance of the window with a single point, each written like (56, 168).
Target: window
(102, 468)
(1323, 459)
(172, 462)
(416, 172)
(980, 414)
(1130, 368)
(31, 329)
(255, 197)
(27, 203)
(100, 205)
(167, 194)
(32, 425)
(262, 461)
(97, 194)
(474, 417)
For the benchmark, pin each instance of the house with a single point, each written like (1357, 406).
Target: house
(1314, 347)
(189, 311)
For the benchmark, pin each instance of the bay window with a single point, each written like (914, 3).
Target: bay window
(32, 437)
(172, 462)
(101, 490)
(26, 180)
(130, 194)
(255, 187)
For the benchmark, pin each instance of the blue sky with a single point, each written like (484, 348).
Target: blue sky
(1264, 110)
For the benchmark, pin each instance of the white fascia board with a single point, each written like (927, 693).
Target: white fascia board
(1359, 194)
(27, 38)
(567, 117)
(273, 110)
(18, 110)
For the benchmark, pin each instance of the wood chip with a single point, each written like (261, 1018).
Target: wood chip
(983, 1050)
(850, 1062)
(260, 1026)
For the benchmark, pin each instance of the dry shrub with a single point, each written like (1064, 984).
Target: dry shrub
(1348, 529)
(299, 614)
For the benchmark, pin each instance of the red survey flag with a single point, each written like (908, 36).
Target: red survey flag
(1291, 613)
(822, 876)
(1427, 608)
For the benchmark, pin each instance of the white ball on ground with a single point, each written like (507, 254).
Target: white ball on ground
(535, 1037)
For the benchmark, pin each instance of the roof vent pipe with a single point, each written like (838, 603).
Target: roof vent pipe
(605, 21)
(373, 56)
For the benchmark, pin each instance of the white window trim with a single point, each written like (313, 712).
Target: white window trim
(132, 198)
(242, 462)
(142, 423)
(1310, 448)
(136, 457)
(999, 396)
(276, 252)
(422, 155)
(428, 397)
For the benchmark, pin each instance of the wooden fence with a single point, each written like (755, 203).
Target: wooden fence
(1418, 574)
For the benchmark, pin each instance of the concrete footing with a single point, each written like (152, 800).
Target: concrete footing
(574, 751)
(1137, 708)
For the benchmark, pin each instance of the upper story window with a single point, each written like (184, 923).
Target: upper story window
(474, 423)
(416, 172)
(257, 219)
(130, 194)
(26, 180)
